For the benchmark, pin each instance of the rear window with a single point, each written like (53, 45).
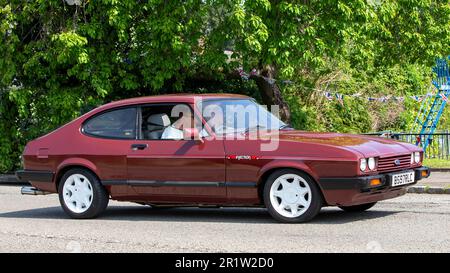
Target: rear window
(120, 123)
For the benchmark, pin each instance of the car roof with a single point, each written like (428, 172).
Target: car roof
(186, 98)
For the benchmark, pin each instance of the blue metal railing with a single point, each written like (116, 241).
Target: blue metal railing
(438, 146)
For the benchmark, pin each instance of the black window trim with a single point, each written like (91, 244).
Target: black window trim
(104, 112)
(138, 122)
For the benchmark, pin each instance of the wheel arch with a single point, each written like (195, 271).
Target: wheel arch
(74, 163)
(299, 167)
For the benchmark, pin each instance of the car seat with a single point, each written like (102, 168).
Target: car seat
(156, 124)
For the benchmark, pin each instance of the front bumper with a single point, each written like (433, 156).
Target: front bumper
(363, 182)
(357, 190)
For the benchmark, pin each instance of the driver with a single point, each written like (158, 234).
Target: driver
(217, 123)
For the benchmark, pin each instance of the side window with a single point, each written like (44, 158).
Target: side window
(166, 121)
(120, 123)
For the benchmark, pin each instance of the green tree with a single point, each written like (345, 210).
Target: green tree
(60, 58)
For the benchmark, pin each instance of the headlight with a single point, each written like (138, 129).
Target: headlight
(417, 157)
(363, 165)
(371, 163)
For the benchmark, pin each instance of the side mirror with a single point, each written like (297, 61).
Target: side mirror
(192, 134)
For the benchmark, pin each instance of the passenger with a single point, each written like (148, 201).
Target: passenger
(175, 130)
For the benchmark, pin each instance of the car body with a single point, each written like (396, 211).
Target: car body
(212, 170)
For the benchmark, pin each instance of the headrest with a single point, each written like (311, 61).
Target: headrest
(158, 120)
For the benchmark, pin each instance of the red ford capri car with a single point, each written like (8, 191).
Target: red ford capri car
(212, 149)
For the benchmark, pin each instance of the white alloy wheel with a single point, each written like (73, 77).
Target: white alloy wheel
(78, 193)
(290, 195)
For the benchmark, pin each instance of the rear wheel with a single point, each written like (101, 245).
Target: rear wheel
(357, 208)
(291, 196)
(81, 195)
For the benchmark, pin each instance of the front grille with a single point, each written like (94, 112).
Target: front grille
(387, 164)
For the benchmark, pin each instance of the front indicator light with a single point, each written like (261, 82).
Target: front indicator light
(424, 173)
(375, 182)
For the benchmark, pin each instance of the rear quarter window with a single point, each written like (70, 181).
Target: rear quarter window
(120, 124)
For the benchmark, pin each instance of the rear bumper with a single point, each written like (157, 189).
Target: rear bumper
(357, 190)
(35, 176)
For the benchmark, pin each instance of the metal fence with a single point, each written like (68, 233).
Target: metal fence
(439, 146)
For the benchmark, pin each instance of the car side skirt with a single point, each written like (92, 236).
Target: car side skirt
(155, 183)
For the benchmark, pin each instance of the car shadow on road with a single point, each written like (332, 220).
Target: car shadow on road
(193, 214)
(40, 213)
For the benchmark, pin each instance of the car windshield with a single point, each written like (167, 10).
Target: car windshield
(238, 116)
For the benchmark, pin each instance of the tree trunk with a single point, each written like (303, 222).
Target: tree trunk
(269, 90)
(271, 95)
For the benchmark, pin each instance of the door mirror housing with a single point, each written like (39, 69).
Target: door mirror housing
(192, 134)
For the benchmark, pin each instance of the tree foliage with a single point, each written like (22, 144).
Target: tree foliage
(60, 59)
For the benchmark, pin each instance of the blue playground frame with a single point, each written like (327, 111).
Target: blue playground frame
(433, 106)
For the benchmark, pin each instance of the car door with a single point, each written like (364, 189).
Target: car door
(174, 170)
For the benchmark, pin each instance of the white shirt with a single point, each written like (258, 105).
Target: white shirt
(174, 133)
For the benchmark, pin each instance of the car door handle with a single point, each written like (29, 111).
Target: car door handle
(136, 147)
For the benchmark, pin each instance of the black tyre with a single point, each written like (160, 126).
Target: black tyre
(81, 195)
(358, 208)
(291, 196)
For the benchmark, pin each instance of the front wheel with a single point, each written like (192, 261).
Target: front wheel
(358, 208)
(292, 197)
(81, 195)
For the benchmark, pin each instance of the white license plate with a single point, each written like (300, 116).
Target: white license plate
(402, 179)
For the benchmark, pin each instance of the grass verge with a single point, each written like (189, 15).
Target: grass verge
(436, 163)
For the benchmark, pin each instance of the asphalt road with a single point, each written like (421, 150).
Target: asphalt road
(412, 223)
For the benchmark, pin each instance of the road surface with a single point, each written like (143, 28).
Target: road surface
(412, 223)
